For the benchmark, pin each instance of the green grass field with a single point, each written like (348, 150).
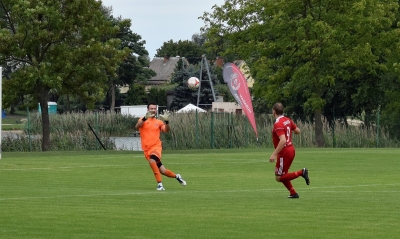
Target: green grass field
(354, 193)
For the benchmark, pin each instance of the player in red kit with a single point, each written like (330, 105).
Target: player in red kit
(284, 151)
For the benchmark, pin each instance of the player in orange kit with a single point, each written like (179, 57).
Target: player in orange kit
(149, 128)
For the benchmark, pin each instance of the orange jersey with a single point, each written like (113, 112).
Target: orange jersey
(150, 133)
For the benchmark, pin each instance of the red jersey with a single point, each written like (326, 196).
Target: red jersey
(283, 126)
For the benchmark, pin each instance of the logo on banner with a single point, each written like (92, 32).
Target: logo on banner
(235, 82)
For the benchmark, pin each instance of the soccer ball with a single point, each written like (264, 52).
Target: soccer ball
(193, 82)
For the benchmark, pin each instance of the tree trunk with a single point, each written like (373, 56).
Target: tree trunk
(112, 105)
(319, 134)
(44, 96)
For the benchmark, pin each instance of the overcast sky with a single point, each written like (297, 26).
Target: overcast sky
(158, 21)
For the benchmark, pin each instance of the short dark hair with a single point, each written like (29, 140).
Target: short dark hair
(278, 107)
(151, 103)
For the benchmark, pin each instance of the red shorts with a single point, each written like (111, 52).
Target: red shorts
(284, 161)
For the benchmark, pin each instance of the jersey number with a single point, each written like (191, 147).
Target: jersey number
(287, 134)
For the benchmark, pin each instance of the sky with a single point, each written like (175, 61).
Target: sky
(158, 21)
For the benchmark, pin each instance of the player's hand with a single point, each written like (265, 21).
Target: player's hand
(165, 116)
(150, 114)
(272, 158)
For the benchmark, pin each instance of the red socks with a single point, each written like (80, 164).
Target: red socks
(285, 179)
(289, 187)
(291, 176)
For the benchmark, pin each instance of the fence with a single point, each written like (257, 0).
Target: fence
(194, 130)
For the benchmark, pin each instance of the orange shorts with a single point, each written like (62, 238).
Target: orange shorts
(155, 150)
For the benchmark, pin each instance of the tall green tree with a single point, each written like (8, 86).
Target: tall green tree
(192, 51)
(390, 110)
(158, 95)
(299, 50)
(199, 39)
(136, 95)
(135, 67)
(68, 46)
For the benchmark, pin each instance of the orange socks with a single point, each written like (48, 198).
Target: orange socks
(169, 174)
(156, 171)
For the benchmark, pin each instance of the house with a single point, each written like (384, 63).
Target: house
(164, 68)
(228, 107)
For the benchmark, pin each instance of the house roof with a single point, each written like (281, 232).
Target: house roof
(164, 67)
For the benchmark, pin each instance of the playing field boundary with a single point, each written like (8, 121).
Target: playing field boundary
(230, 193)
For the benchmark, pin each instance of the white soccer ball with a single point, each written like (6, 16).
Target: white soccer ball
(193, 82)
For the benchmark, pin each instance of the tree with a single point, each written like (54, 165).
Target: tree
(158, 95)
(134, 69)
(299, 50)
(390, 109)
(67, 46)
(199, 39)
(190, 50)
(136, 95)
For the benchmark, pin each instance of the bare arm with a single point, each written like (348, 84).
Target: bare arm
(296, 131)
(139, 123)
(281, 144)
(166, 128)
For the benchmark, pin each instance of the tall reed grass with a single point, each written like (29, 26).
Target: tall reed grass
(227, 130)
(70, 131)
